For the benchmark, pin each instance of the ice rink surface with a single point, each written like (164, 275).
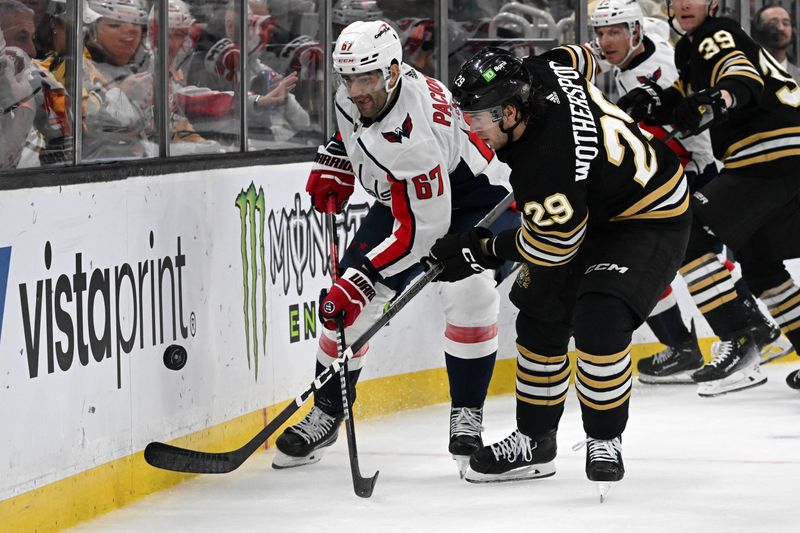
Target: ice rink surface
(727, 464)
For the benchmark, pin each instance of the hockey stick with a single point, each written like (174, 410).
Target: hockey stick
(178, 459)
(362, 486)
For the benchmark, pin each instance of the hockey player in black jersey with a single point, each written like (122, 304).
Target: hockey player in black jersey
(605, 224)
(753, 206)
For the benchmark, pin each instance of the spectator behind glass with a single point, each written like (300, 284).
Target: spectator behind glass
(49, 140)
(180, 42)
(17, 109)
(771, 27)
(42, 37)
(118, 82)
(274, 109)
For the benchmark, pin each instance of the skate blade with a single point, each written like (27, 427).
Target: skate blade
(537, 471)
(281, 460)
(738, 381)
(780, 348)
(603, 489)
(679, 378)
(462, 461)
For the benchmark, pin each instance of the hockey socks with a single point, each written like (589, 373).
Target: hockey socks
(469, 379)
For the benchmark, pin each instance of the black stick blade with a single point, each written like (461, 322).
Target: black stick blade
(177, 459)
(364, 486)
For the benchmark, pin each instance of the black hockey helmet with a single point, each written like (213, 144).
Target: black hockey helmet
(492, 77)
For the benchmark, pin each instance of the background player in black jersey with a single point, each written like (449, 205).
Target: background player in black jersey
(753, 206)
(605, 224)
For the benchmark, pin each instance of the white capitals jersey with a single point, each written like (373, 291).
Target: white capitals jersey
(420, 160)
(657, 64)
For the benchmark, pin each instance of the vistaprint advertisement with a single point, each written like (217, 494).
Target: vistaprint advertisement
(97, 281)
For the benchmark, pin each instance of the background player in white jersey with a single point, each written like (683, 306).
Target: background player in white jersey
(429, 175)
(646, 61)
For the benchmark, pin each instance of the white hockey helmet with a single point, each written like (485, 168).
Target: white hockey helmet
(609, 12)
(180, 16)
(130, 11)
(364, 46)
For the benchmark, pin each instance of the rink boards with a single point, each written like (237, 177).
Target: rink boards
(97, 280)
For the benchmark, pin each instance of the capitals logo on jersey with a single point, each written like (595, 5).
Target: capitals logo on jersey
(654, 77)
(397, 135)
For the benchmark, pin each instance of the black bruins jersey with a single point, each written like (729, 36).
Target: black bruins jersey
(583, 163)
(762, 135)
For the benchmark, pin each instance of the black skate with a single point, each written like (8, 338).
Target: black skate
(305, 442)
(514, 458)
(674, 364)
(465, 435)
(767, 336)
(604, 464)
(793, 380)
(735, 367)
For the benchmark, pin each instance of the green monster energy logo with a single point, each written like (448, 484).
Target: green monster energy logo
(250, 203)
(489, 75)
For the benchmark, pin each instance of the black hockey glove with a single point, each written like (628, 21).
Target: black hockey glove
(642, 102)
(699, 111)
(462, 255)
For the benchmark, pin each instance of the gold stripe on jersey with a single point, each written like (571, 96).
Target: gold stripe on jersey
(742, 73)
(721, 60)
(709, 282)
(783, 303)
(582, 60)
(678, 85)
(603, 407)
(603, 382)
(541, 359)
(735, 64)
(603, 359)
(765, 158)
(763, 147)
(669, 200)
(541, 379)
(549, 248)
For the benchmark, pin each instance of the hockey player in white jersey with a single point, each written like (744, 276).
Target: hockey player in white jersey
(646, 61)
(429, 175)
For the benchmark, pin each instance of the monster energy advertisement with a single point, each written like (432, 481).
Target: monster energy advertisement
(297, 250)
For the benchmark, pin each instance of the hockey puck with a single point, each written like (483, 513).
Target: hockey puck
(175, 357)
(793, 380)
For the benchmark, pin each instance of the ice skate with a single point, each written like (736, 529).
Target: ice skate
(604, 466)
(305, 442)
(465, 435)
(514, 458)
(674, 364)
(793, 380)
(735, 367)
(767, 336)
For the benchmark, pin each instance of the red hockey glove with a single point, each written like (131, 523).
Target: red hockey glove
(351, 292)
(331, 174)
(223, 59)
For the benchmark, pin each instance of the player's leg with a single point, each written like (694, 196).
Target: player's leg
(737, 209)
(681, 355)
(545, 298)
(471, 307)
(612, 303)
(304, 443)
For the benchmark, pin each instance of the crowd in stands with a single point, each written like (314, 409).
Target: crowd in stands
(284, 71)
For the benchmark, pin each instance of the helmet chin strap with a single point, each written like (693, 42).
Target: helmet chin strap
(631, 45)
(510, 131)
